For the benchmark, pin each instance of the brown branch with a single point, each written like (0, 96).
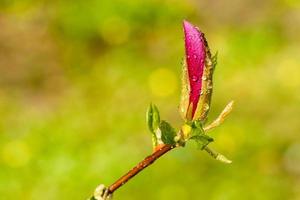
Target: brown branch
(139, 167)
(105, 193)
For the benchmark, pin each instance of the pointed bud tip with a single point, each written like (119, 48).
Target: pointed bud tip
(188, 27)
(186, 23)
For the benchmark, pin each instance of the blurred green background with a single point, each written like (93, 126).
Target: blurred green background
(77, 76)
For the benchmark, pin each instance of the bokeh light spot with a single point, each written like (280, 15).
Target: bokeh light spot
(162, 82)
(16, 153)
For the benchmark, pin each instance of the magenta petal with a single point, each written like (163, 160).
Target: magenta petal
(195, 57)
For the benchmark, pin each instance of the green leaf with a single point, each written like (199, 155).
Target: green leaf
(202, 140)
(168, 133)
(199, 136)
(198, 124)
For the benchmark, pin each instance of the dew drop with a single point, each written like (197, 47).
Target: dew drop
(194, 78)
(208, 61)
(195, 56)
(206, 106)
(204, 78)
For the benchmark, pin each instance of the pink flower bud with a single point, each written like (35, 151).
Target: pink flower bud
(196, 93)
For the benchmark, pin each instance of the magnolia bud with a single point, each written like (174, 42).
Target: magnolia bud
(197, 75)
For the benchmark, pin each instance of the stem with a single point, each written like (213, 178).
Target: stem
(139, 167)
(217, 155)
(211, 152)
(107, 192)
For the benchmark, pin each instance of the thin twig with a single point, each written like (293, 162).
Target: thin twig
(105, 193)
(139, 167)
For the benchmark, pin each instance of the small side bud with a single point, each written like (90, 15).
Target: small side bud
(101, 193)
(152, 117)
(156, 117)
(153, 121)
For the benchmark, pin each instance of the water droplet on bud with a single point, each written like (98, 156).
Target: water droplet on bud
(194, 78)
(208, 61)
(206, 106)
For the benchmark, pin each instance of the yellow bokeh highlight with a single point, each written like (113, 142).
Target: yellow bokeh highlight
(16, 153)
(162, 82)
